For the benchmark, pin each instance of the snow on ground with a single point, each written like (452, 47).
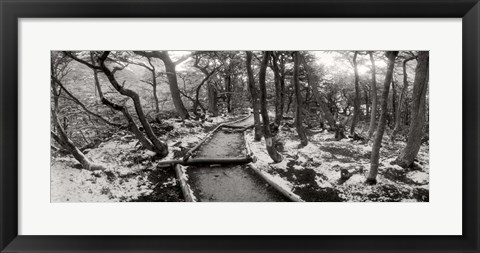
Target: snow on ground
(313, 172)
(132, 172)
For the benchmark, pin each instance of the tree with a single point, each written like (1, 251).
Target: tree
(253, 93)
(324, 110)
(278, 89)
(402, 99)
(418, 111)
(207, 74)
(62, 139)
(213, 99)
(158, 146)
(373, 92)
(172, 78)
(276, 157)
(375, 156)
(299, 112)
(153, 82)
(58, 71)
(356, 105)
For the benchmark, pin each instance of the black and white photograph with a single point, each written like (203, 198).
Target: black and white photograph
(239, 126)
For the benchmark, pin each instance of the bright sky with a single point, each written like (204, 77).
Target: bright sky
(330, 60)
(326, 58)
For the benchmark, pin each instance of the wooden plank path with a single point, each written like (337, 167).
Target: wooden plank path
(218, 171)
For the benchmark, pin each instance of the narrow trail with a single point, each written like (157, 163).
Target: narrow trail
(228, 182)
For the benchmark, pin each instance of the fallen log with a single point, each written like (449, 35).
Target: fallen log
(182, 178)
(290, 195)
(196, 161)
(248, 149)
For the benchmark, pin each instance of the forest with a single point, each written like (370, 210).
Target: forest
(239, 126)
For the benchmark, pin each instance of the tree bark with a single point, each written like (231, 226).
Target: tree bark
(62, 139)
(415, 134)
(212, 99)
(394, 99)
(172, 78)
(282, 83)
(254, 97)
(377, 143)
(356, 105)
(160, 147)
(278, 90)
(173, 84)
(299, 112)
(324, 110)
(131, 125)
(373, 95)
(276, 157)
(367, 101)
(401, 101)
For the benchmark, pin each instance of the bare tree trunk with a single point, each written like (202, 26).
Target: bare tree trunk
(401, 101)
(155, 97)
(132, 126)
(282, 84)
(394, 100)
(298, 95)
(356, 105)
(276, 157)
(160, 147)
(207, 76)
(173, 83)
(278, 90)
(367, 101)
(212, 99)
(62, 139)
(415, 134)
(373, 92)
(253, 93)
(172, 78)
(324, 111)
(377, 143)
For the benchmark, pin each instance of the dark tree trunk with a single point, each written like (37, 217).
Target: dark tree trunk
(356, 105)
(253, 93)
(418, 109)
(276, 157)
(278, 90)
(402, 99)
(282, 83)
(212, 99)
(377, 143)
(161, 148)
(131, 125)
(324, 110)
(62, 139)
(373, 92)
(172, 79)
(173, 84)
(394, 100)
(155, 97)
(228, 91)
(299, 113)
(367, 101)
(290, 100)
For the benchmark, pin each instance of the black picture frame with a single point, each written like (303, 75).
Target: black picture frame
(11, 11)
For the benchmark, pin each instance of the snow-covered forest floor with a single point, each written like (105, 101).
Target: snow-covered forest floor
(132, 173)
(313, 172)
